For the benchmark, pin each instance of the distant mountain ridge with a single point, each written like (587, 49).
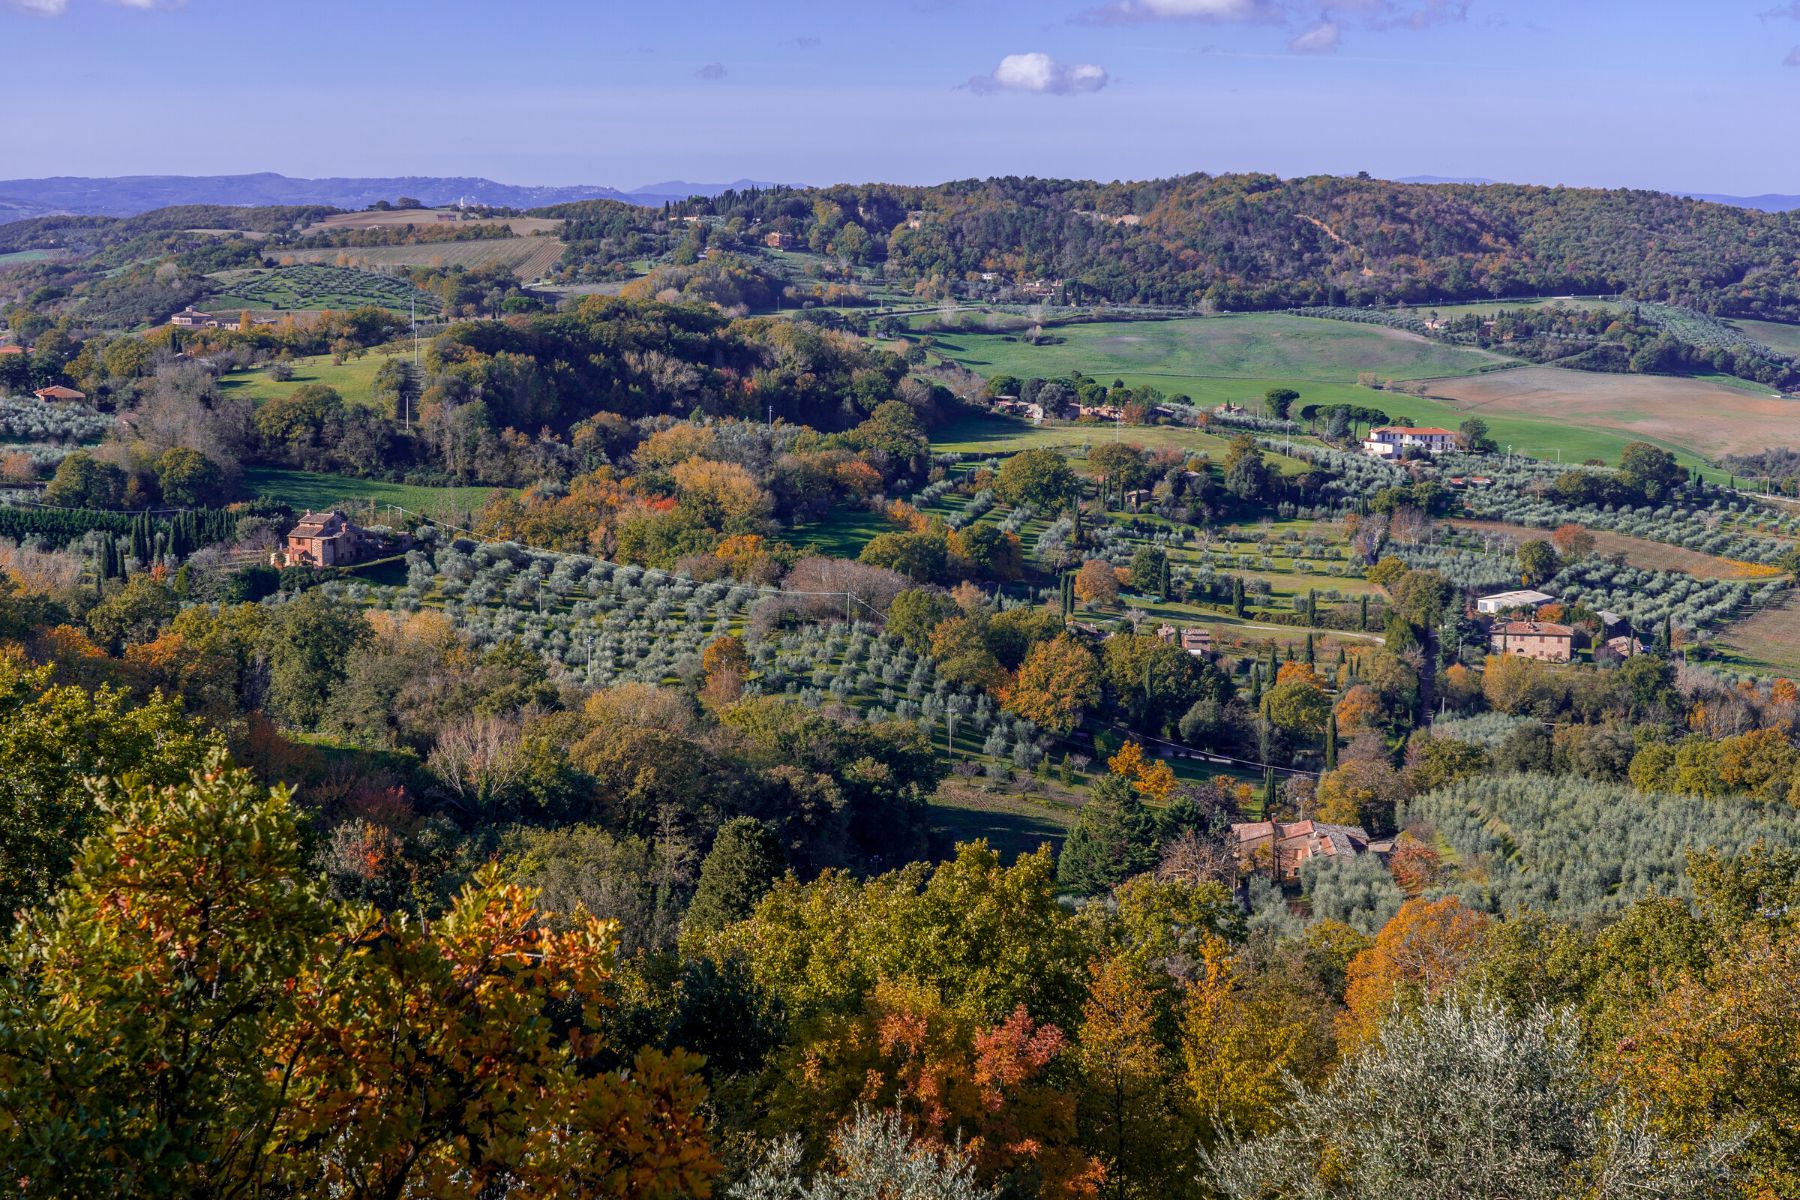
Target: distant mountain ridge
(128, 195)
(1768, 202)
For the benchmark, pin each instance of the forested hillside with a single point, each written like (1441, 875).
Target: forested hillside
(1257, 241)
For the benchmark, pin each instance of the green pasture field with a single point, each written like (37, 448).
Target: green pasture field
(353, 379)
(1214, 359)
(15, 257)
(1773, 334)
(985, 434)
(842, 534)
(1011, 825)
(312, 490)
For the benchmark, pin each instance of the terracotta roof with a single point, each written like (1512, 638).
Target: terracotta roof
(12, 349)
(325, 524)
(57, 392)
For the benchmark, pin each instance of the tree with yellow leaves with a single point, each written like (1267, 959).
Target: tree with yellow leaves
(1129, 1110)
(192, 1016)
(1243, 1038)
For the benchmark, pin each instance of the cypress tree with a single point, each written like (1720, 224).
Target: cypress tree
(1363, 624)
(1331, 741)
(1163, 587)
(743, 864)
(1268, 793)
(1311, 652)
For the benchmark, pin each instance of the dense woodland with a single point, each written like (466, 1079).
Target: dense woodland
(1255, 241)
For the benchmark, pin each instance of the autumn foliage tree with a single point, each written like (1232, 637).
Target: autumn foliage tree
(1058, 682)
(1414, 958)
(191, 1016)
(1096, 584)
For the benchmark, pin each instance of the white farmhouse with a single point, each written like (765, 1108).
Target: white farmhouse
(1390, 441)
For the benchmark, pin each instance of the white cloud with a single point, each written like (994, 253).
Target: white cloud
(56, 8)
(1038, 72)
(1320, 39)
(1404, 14)
(1186, 10)
(711, 71)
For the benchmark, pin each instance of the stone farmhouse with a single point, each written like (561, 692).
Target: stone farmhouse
(1542, 640)
(1285, 846)
(324, 540)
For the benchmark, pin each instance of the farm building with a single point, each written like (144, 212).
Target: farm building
(1391, 441)
(1625, 645)
(1501, 602)
(1011, 406)
(1541, 640)
(1197, 641)
(1292, 843)
(58, 392)
(323, 540)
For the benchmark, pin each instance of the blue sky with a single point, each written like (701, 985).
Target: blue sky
(1697, 95)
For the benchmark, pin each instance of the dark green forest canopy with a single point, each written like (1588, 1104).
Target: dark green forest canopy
(638, 358)
(1257, 241)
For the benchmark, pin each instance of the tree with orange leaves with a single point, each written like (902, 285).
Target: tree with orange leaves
(228, 1030)
(951, 1078)
(1057, 683)
(1096, 584)
(1153, 779)
(726, 665)
(1419, 953)
(1359, 708)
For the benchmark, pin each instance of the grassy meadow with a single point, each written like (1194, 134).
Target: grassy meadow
(312, 490)
(1003, 435)
(353, 379)
(1220, 359)
(1774, 334)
